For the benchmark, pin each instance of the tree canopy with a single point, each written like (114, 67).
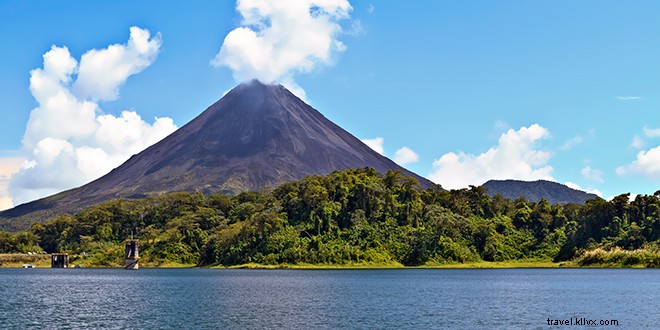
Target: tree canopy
(351, 216)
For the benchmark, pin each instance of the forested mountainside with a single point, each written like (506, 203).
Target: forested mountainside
(351, 217)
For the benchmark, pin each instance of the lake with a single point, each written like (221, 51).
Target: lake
(328, 299)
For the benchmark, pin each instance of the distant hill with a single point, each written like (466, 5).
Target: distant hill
(533, 191)
(256, 136)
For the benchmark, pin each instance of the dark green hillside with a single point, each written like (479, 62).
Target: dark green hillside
(354, 217)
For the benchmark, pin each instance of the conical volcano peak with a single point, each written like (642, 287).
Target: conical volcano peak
(258, 135)
(256, 96)
(258, 83)
(256, 88)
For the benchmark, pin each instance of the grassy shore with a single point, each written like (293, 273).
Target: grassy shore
(506, 264)
(18, 260)
(480, 264)
(366, 265)
(15, 260)
(619, 258)
(597, 258)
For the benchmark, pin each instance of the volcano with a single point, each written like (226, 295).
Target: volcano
(256, 136)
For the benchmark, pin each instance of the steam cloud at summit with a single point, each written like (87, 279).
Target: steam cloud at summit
(278, 39)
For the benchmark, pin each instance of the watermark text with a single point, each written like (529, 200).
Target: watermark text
(582, 321)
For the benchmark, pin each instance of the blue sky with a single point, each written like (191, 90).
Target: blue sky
(562, 90)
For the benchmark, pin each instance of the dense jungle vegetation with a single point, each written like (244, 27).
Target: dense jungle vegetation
(353, 217)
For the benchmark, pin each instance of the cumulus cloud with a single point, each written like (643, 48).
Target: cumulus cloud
(8, 167)
(648, 161)
(592, 174)
(647, 164)
(68, 140)
(515, 157)
(376, 144)
(278, 39)
(405, 156)
(402, 156)
(101, 72)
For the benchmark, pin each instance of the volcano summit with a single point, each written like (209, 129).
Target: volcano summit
(256, 136)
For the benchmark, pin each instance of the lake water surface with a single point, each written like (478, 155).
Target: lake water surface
(327, 299)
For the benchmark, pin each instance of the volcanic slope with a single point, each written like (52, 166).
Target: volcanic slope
(256, 136)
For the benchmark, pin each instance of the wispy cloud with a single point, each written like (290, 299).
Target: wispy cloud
(572, 142)
(637, 142)
(649, 133)
(501, 125)
(652, 132)
(628, 98)
(592, 174)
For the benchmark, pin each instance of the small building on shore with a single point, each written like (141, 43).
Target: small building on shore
(132, 254)
(59, 260)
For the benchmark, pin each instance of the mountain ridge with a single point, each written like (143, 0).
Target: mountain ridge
(534, 191)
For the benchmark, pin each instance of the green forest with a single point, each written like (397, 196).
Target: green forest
(352, 217)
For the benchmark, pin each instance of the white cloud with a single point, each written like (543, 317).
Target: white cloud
(592, 174)
(402, 156)
(647, 164)
(129, 133)
(405, 156)
(501, 125)
(572, 142)
(8, 167)
(68, 141)
(573, 185)
(294, 88)
(637, 142)
(578, 187)
(652, 132)
(101, 72)
(628, 98)
(277, 39)
(515, 157)
(371, 9)
(376, 144)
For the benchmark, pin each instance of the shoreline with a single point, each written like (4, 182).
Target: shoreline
(473, 265)
(43, 261)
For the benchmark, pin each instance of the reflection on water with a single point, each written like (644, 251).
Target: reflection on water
(412, 298)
